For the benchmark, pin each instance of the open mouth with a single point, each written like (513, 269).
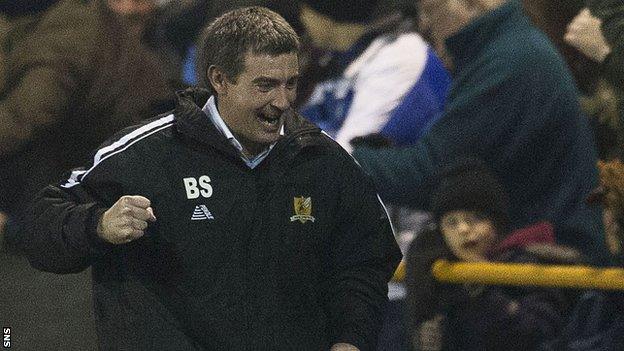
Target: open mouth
(471, 245)
(271, 121)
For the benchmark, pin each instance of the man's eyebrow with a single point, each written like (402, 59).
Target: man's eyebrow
(264, 79)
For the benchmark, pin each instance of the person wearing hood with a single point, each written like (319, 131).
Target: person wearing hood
(470, 208)
(217, 226)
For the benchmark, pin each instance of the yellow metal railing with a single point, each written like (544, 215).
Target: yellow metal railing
(523, 274)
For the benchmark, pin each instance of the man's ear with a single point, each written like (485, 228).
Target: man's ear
(217, 79)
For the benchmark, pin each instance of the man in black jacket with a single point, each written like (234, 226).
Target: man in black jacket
(236, 226)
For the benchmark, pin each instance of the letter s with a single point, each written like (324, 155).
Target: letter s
(204, 183)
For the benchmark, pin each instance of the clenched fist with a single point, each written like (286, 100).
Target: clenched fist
(126, 220)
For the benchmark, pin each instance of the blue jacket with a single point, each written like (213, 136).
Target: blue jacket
(393, 85)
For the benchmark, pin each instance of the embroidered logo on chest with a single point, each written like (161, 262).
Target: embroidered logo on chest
(200, 213)
(303, 209)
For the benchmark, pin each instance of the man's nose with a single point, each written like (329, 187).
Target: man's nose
(132, 8)
(472, 235)
(282, 99)
(464, 228)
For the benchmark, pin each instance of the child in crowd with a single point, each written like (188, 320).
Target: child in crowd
(471, 224)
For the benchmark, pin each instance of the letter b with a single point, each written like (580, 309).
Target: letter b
(192, 192)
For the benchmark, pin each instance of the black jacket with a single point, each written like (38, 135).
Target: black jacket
(236, 270)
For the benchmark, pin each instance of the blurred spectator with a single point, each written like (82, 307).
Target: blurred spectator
(597, 322)
(471, 221)
(71, 73)
(603, 44)
(597, 96)
(610, 194)
(369, 67)
(172, 31)
(24, 7)
(585, 33)
(604, 108)
(553, 18)
(601, 37)
(514, 105)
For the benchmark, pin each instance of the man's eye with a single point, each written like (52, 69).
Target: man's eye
(450, 221)
(291, 84)
(264, 87)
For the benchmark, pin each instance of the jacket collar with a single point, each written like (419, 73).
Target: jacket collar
(471, 40)
(193, 123)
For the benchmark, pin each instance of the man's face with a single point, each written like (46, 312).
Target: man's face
(130, 8)
(134, 12)
(430, 12)
(440, 19)
(254, 107)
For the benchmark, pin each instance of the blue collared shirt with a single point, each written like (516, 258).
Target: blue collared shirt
(210, 109)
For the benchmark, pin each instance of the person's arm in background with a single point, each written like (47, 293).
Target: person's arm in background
(472, 124)
(598, 32)
(362, 256)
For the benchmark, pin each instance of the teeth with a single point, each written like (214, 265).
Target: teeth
(269, 118)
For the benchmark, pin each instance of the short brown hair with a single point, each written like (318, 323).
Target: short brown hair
(228, 38)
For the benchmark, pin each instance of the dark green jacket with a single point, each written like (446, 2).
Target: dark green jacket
(514, 105)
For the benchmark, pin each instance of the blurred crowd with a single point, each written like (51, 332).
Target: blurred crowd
(492, 129)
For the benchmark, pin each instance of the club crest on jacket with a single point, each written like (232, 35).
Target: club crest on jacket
(303, 209)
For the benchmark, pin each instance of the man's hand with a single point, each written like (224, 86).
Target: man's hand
(585, 34)
(126, 220)
(343, 347)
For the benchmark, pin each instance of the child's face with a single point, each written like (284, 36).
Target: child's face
(468, 234)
